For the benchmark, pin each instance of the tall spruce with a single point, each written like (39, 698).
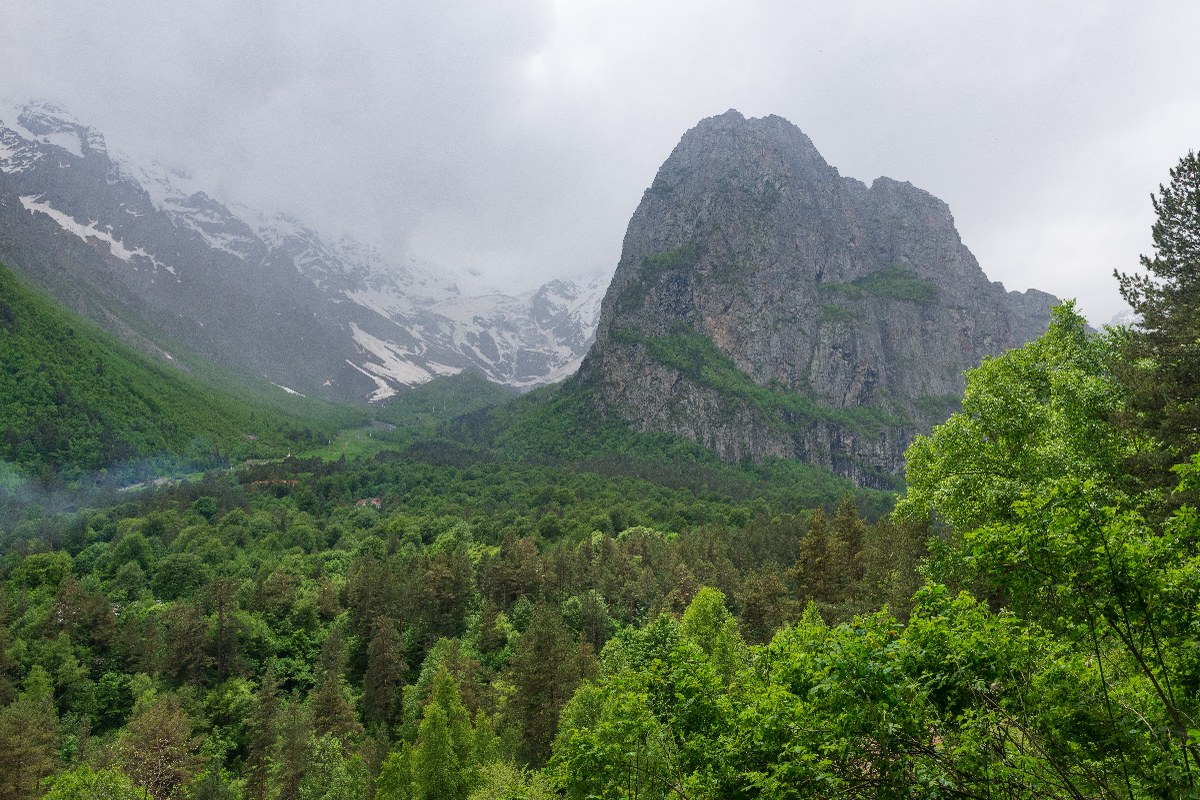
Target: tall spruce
(264, 727)
(845, 549)
(293, 748)
(384, 679)
(1161, 359)
(814, 553)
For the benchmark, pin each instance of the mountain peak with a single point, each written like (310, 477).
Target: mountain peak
(765, 306)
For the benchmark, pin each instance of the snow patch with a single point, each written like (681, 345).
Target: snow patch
(115, 246)
(286, 389)
(394, 365)
(67, 140)
(384, 390)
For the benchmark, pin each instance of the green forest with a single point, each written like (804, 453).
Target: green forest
(521, 599)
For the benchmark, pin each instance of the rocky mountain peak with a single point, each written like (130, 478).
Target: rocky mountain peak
(844, 315)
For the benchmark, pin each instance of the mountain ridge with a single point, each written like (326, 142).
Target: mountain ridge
(134, 246)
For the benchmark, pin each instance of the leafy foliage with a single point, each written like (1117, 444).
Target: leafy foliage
(1029, 417)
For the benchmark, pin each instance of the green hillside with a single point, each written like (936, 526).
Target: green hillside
(442, 398)
(75, 399)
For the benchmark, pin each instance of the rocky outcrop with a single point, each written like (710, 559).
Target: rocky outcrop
(766, 306)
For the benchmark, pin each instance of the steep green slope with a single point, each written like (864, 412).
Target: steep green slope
(74, 399)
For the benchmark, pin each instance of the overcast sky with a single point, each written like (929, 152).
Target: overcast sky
(516, 137)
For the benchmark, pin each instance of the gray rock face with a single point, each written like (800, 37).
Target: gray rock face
(862, 299)
(148, 255)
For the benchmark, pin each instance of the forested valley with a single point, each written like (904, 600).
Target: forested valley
(444, 619)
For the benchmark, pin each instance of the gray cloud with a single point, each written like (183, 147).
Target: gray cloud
(516, 137)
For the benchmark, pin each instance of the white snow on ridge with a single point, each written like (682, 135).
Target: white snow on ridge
(225, 242)
(387, 304)
(384, 389)
(67, 140)
(435, 316)
(68, 223)
(286, 389)
(394, 365)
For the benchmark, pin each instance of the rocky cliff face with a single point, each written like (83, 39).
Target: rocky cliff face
(766, 306)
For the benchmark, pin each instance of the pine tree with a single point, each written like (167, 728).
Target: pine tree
(814, 556)
(7, 662)
(384, 679)
(1161, 359)
(160, 751)
(331, 711)
(764, 604)
(224, 595)
(28, 734)
(264, 726)
(546, 668)
(844, 559)
(293, 749)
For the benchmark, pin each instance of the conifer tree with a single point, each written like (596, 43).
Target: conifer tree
(28, 734)
(764, 604)
(7, 662)
(546, 668)
(224, 595)
(436, 769)
(814, 556)
(331, 711)
(444, 763)
(1161, 362)
(384, 679)
(264, 726)
(160, 752)
(446, 694)
(293, 749)
(844, 557)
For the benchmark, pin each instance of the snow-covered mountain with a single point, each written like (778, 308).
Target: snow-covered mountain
(147, 253)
